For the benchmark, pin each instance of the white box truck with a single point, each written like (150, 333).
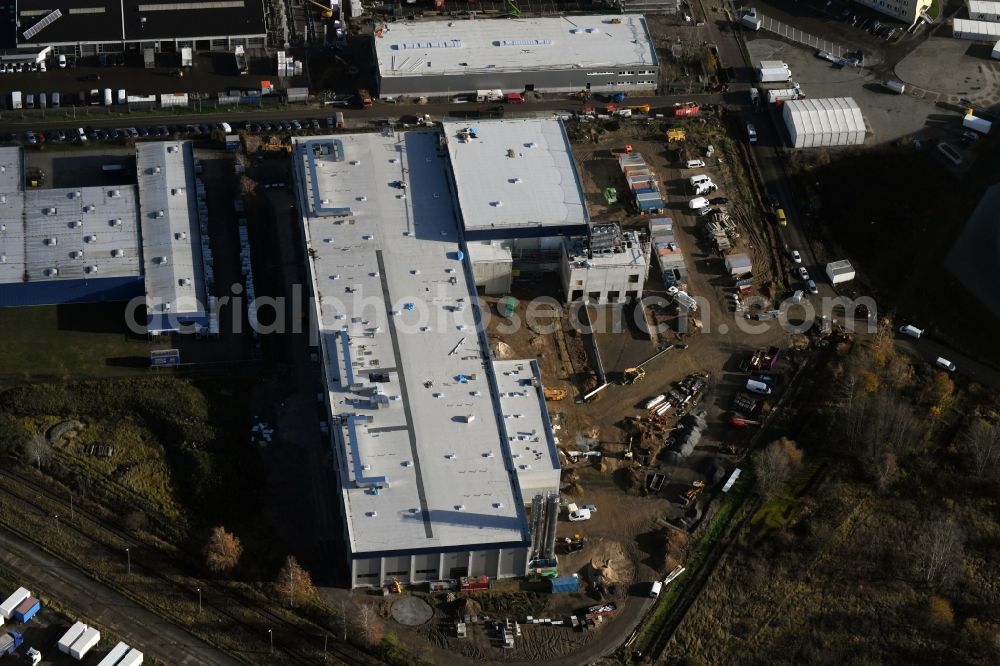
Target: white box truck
(750, 19)
(977, 124)
(85, 643)
(13, 601)
(70, 637)
(133, 658)
(895, 86)
(771, 71)
(108, 97)
(122, 97)
(15, 99)
(494, 95)
(116, 654)
(784, 94)
(187, 58)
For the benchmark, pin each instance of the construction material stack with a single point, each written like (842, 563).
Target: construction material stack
(642, 183)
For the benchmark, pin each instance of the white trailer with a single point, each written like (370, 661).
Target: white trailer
(187, 59)
(977, 124)
(133, 658)
(70, 637)
(13, 601)
(85, 643)
(495, 95)
(116, 654)
(15, 100)
(750, 19)
(771, 71)
(840, 271)
(784, 94)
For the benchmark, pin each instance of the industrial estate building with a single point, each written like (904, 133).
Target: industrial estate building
(907, 11)
(565, 54)
(607, 266)
(101, 26)
(834, 121)
(111, 243)
(436, 446)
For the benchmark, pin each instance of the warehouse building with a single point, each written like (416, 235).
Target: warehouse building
(607, 266)
(835, 121)
(519, 195)
(907, 11)
(435, 446)
(597, 53)
(77, 27)
(176, 296)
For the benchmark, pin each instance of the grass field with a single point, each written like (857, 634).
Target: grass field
(61, 342)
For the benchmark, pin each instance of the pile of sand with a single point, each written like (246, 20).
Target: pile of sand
(608, 563)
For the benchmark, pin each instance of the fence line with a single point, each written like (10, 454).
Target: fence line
(795, 35)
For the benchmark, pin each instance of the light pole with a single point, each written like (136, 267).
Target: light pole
(199, 601)
(128, 560)
(270, 635)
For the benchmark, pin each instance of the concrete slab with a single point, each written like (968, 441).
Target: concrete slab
(411, 611)
(953, 66)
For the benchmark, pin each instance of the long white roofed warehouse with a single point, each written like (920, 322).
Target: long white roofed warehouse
(564, 54)
(429, 478)
(834, 121)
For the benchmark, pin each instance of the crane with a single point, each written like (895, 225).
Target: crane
(327, 12)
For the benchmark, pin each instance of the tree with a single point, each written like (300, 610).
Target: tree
(368, 626)
(773, 465)
(885, 472)
(294, 585)
(36, 449)
(12, 433)
(937, 553)
(223, 550)
(981, 443)
(940, 611)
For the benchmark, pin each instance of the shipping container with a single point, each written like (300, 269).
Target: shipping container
(87, 640)
(13, 601)
(27, 609)
(113, 657)
(70, 637)
(773, 70)
(564, 584)
(977, 124)
(133, 658)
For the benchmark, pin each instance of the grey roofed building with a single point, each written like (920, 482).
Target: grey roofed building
(428, 485)
(175, 283)
(515, 178)
(147, 21)
(551, 54)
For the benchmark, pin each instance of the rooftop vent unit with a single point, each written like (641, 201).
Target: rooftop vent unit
(117, 253)
(162, 261)
(115, 194)
(76, 224)
(171, 149)
(51, 240)
(117, 222)
(184, 282)
(52, 210)
(167, 305)
(160, 213)
(92, 238)
(91, 269)
(76, 254)
(89, 208)
(180, 235)
(51, 272)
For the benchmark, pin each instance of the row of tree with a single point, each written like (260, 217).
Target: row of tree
(294, 584)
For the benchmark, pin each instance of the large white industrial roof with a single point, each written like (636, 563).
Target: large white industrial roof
(170, 234)
(515, 173)
(424, 460)
(85, 232)
(11, 215)
(825, 115)
(491, 44)
(983, 10)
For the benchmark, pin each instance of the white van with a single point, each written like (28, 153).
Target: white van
(698, 203)
(911, 331)
(945, 364)
(108, 98)
(654, 591)
(695, 164)
(700, 178)
(758, 387)
(121, 96)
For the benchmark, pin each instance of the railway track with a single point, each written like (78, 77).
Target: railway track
(85, 524)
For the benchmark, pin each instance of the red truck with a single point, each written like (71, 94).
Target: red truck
(687, 110)
(365, 98)
(514, 98)
(473, 583)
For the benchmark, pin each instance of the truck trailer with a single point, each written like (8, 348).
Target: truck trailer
(976, 123)
(15, 99)
(27, 609)
(85, 643)
(70, 636)
(784, 95)
(116, 654)
(133, 658)
(13, 601)
(773, 70)
(495, 95)
(187, 58)
(242, 66)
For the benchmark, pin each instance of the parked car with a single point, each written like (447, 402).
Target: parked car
(695, 164)
(941, 363)
(579, 514)
(31, 138)
(796, 257)
(811, 286)
(803, 273)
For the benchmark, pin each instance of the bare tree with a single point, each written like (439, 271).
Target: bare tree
(294, 584)
(885, 472)
(369, 626)
(981, 443)
(937, 553)
(223, 550)
(772, 467)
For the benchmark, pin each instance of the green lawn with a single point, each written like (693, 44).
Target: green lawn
(934, 11)
(60, 342)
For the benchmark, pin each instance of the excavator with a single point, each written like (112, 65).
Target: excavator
(554, 394)
(327, 12)
(632, 375)
(697, 488)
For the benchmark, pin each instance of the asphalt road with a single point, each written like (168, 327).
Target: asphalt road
(154, 636)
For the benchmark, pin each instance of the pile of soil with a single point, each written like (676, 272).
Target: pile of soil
(608, 564)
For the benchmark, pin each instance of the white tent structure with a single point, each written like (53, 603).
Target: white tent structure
(982, 10)
(977, 31)
(834, 121)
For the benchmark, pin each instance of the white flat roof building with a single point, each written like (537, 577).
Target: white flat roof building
(515, 178)
(175, 286)
(542, 54)
(427, 482)
(609, 266)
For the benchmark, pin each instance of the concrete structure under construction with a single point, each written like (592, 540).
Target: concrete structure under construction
(519, 194)
(424, 428)
(907, 11)
(553, 54)
(608, 266)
